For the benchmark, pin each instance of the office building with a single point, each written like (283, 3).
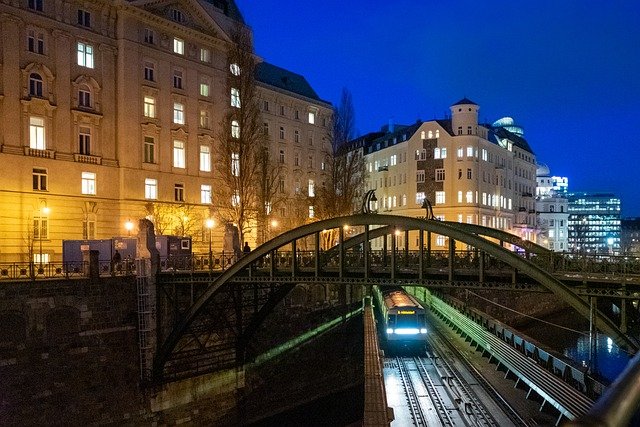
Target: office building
(594, 223)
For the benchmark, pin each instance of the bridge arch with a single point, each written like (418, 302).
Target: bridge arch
(470, 236)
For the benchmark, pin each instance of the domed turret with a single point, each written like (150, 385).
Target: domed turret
(464, 117)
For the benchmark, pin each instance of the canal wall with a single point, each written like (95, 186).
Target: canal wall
(69, 356)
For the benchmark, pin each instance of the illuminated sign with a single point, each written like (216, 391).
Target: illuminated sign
(406, 312)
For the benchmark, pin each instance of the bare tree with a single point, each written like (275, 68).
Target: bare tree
(345, 167)
(241, 141)
(178, 219)
(271, 197)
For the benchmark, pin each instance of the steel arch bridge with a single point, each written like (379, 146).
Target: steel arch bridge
(194, 343)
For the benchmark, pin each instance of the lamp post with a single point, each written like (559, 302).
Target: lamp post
(45, 212)
(369, 197)
(426, 205)
(210, 223)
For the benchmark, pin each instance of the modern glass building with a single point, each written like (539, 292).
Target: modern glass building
(594, 223)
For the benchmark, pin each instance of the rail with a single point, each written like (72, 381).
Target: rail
(570, 402)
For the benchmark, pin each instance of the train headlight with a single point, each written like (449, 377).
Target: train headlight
(423, 330)
(389, 330)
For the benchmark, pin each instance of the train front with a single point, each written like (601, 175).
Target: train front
(405, 318)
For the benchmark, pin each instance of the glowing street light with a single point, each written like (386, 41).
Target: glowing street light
(128, 225)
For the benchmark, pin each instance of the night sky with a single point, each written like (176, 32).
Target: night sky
(567, 71)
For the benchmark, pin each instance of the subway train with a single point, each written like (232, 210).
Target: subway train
(403, 316)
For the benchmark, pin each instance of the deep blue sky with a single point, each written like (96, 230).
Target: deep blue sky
(567, 71)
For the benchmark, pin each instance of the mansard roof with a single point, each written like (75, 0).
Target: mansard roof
(517, 140)
(286, 80)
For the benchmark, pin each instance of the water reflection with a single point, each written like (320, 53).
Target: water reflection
(610, 359)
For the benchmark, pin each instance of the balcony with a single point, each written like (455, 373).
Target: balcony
(46, 154)
(86, 158)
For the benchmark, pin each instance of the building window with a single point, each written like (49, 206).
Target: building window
(149, 36)
(35, 42)
(84, 18)
(393, 160)
(470, 151)
(469, 197)
(296, 159)
(459, 130)
(440, 175)
(420, 176)
(89, 228)
(177, 79)
(420, 196)
(149, 107)
(296, 115)
(178, 154)
(312, 212)
(310, 137)
(281, 132)
(282, 110)
(84, 96)
(459, 196)
(441, 240)
(469, 173)
(149, 149)
(265, 105)
(36, 5)
(150, 189)
(235, 164)
(310, 164)
(235, 97)
(40, 228)
(205, 55)
(265, 128)
(84, 140)
(149, 71)
(440, 197)
(235, 69)
(178, 192)
(178, 46)
(204, 119)
(235, 129)
(36, 133)
(281, 156)
(468, 130)
(85, 55)
(205, 158)
(88, 183)
(235, 198)
(39, 179)
(296, 136)
(312, 116)
(460, 152)
(178, 113)
(312, 188)
(205, 194)
(204, 87)
(281, 185)
(176, 15)
(35, 85)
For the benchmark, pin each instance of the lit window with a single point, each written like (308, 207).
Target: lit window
(460, 152)
(178, 46)
(205, 55)
(205, 194)
(235, 199)
(35, 42)
(235, 129)
(177, 79)
(393, 160)
(420, 196)
(441, 240)
(88, 183)
(436, 153)
(235, 69)
(150, 189)
(484, 154)
(178, 154)
(469, 151)
(178, 113)
(312, 188)
(84, 140)
(204, 87)
(85, 55)
(312, 212)
(430, 134)
(423, 135)
(149, 71)
(39, 179)
(312, 116)
(440, 175)
(459, 196)
(235, 164)
(469, 196)
(235, 97)
(205, 158)
(440, 197)
(84, 96)
(36, 133)
(443, 153)
(178, 192)
(35, 84)
(149, 106)
(204, 119)
(149, 149)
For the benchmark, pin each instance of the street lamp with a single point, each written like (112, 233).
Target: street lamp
(210, 223)
(128, 226)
